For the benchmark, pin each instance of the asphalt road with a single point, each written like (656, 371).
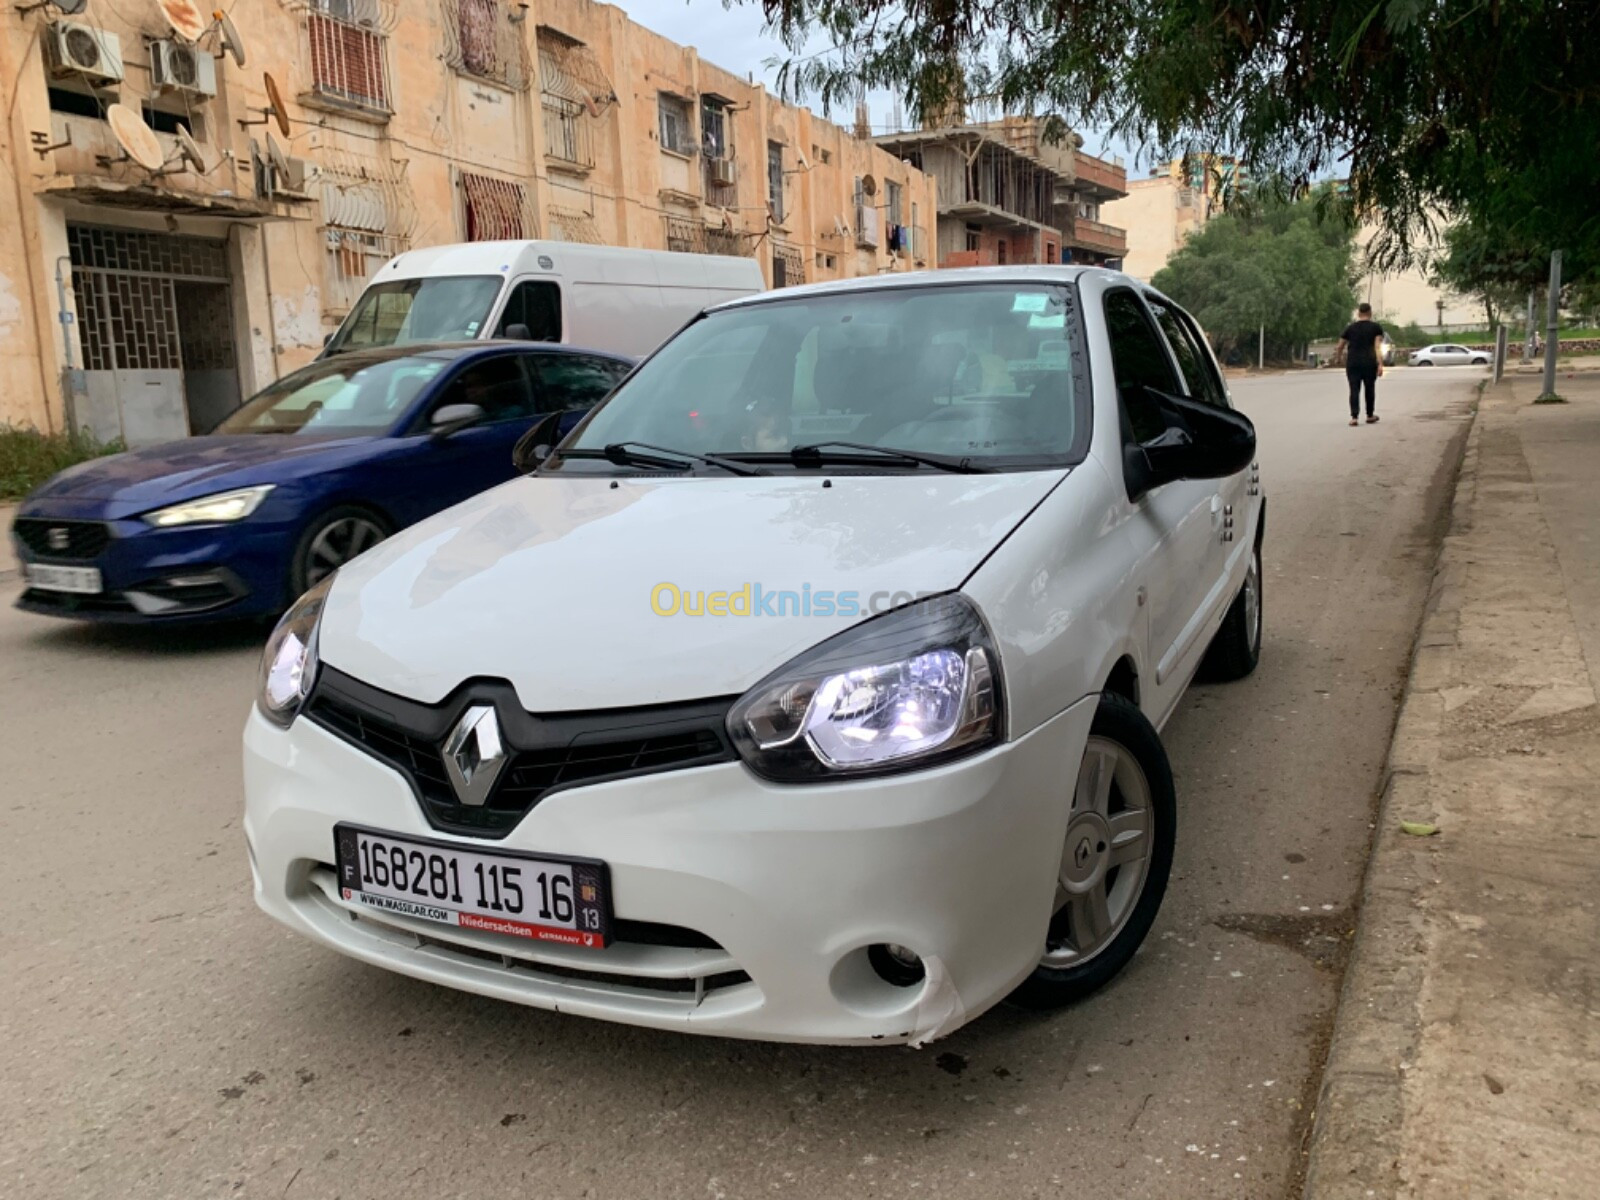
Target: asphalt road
(160, 1038)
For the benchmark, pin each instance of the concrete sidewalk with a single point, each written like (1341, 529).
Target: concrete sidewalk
(1466, 1058)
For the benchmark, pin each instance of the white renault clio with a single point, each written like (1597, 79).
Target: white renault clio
(808, 691)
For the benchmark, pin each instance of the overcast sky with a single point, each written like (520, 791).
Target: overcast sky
(737, 39)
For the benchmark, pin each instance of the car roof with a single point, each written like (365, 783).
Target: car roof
(454, 351)
(1036, 273)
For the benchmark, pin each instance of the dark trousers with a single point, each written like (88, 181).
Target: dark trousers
(1361, 376)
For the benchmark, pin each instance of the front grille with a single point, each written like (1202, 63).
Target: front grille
(573, 749)
(44, 537)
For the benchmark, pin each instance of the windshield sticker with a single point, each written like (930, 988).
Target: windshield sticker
(472, 327)
(1030, 302)
(1048, 321)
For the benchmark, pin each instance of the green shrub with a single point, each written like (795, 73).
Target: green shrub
(28, 457)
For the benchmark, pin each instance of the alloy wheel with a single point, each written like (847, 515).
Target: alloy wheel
(337, 543)
(1105, 858)
(1252, 602)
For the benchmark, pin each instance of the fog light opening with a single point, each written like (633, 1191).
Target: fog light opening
(896, 964)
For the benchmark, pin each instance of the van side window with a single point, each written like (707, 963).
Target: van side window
(535, 303)
(1139, 356)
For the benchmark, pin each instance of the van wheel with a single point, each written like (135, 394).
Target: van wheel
(1115, 859)
(1236, 649)
(332, 539)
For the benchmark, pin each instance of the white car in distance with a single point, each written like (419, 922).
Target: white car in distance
(1447, 354)
(809, 690)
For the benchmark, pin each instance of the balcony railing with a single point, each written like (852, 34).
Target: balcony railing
(1098, 173)
(1095, 235)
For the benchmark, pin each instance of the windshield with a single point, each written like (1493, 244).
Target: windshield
(989, 373)
(331, 397)
(448, 309)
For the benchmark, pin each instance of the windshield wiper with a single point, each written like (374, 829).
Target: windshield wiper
(815, 454)
(643, 454)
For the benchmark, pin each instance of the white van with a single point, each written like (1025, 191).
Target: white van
(601, 297)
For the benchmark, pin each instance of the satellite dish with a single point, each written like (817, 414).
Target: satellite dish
(185, 17)
(70, 7)
(802, 160)
(136, 138)
(191, 151)
(275, 98)
(231, 41)
(869, 186)
(275, 156)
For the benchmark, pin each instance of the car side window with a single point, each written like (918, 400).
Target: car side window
(569, 382)
(1139, 357)
(535, 303)
(1191, 359)
(501, 386)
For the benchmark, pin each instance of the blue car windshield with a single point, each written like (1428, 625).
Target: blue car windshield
(449, 308)
(333, 397)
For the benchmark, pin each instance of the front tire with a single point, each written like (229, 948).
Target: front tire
(332, 539)
(1115, 859)
(1236, 649)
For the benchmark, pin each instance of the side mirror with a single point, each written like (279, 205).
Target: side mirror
(1200, 441)
(534, 447)
(519, 333)
(448, 418)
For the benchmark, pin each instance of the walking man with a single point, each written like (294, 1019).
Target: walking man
(1361, 348)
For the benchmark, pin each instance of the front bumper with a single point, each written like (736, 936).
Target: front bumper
(788, 885)
(200, 572)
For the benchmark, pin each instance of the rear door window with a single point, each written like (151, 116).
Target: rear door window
(569, 382)
(536, 305)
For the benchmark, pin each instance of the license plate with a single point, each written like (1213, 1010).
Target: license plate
(82, 580)
(562, 900)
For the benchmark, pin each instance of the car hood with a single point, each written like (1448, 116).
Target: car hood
(174, 471)
(549, 582)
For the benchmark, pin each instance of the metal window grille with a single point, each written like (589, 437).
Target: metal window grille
(716, 162)
(479, 40)
(775, 179)
(690, 236)
(347, 51)
(727, 241)
(125, 284)
(892, 194)
(788, 265)
(495, 209)
(570, 225)
(569, 69)
(677, 129)
(566, 131)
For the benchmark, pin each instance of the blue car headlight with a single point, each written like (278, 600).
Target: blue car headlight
(223, 506)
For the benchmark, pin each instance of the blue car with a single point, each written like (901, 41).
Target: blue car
(306, 475)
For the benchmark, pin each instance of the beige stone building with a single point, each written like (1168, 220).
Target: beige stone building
(1162, 212)
(1010, 194)
(153, 296)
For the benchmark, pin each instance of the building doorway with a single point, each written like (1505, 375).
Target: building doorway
(156, 319)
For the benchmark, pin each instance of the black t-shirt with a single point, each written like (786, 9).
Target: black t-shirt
(1361, 337)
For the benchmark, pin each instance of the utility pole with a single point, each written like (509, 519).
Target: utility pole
(1527, 339)
(1261, 350)
(1552, 313)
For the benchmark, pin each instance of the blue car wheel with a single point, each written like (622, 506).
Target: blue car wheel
(330, 541)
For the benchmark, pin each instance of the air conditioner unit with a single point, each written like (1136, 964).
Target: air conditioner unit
(722, 172)
(80, 49)
(177, 67)
(294, 174)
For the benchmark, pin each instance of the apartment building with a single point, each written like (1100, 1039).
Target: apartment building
(1015, 190)
(279, 160)
(1162, 212)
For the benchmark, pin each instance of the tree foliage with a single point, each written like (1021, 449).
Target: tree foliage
(1488, 109)
(1286, 265)
(1489, 266)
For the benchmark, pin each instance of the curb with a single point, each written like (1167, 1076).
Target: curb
(1355, 1139)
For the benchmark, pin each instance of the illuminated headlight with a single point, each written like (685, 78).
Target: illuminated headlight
(916, 686)
(289, 663)
(224, 506)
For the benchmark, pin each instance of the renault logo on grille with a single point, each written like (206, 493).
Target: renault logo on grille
(59, 538)
(473, 755)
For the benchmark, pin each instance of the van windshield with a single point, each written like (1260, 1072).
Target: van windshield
(993, 374)
(450, 308)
